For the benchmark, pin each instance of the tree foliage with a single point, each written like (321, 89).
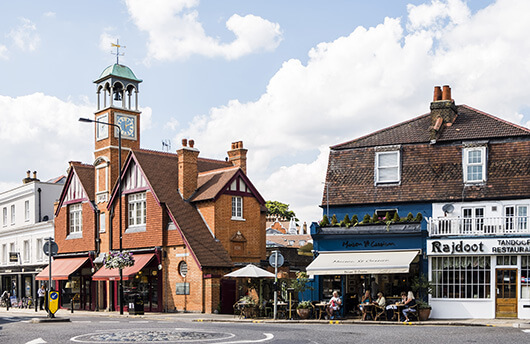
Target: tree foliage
(280, 209)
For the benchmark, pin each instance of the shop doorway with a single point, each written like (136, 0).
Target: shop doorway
(506, 301)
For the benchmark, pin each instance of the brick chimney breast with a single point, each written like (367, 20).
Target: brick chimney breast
(187, 169)
(238, 155)
(443, 111)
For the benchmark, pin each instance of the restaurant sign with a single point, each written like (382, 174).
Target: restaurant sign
(478, 246)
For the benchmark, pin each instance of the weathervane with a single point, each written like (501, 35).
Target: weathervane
(117, 53)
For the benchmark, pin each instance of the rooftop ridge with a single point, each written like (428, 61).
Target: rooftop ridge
(497, 118)
(219, 170)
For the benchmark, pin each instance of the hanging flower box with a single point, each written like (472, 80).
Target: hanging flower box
(118, 260)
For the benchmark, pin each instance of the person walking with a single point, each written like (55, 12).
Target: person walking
(6, 298)
(41, 293)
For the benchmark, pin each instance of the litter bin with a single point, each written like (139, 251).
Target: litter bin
(136, 304)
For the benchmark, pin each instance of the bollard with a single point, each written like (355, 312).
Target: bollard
(72, 305)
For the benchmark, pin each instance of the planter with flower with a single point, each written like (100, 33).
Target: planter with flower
(118, 260)
(304, 309)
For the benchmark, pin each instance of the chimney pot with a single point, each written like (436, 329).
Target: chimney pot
(234, 145)
(192, 143)
(28, 172)
(184, 142)
(34, 174)
(446, 93)
(437, 93)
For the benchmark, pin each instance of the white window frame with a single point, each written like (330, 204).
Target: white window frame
(75, 218)
(39, 250)
(13, 217)
(27, 251)
(102, 223)
(466, 165)
(516, 217)
(26, 211)
(237, 208)
(4, 254)
(396, 166)
(137, 206)
(477, 281)
(4, 216)
(473, 221)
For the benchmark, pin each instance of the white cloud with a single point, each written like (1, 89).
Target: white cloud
(370, 79)
(106, 39)
(176, 33)
(50, 14)
(42, 133)
(25, 36)
(3, 52)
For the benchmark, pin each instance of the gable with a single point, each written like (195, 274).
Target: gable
(79, 186)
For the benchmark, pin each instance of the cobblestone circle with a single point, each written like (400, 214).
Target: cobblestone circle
(146, 336)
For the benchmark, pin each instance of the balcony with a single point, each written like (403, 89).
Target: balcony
(480, 226)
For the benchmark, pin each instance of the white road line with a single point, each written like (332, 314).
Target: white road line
(138, 321)
(268, 336)
(37, 341)
(527, 331)
(81, 321)
(109, 322)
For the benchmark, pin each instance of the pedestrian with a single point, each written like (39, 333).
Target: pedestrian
(7, 300)
(41, 293)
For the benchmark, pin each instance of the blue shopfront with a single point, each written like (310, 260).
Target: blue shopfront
(375, 257)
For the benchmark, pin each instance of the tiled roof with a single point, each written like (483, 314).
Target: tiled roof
(209, 184)
(470, 124)
(204, 164)
(161, 173)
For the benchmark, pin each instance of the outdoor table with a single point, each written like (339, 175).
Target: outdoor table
(321, 307)
(367, 309)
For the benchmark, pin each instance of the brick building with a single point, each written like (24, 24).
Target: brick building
(468, 174)
(187, 220)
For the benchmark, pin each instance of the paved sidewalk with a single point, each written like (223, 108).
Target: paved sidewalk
(63, 313)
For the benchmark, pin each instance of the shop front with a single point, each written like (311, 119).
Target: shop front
(142, 280)
(72, 278)
(376, 258)
(480, 278)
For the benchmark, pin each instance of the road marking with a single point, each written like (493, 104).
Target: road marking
(37, 341)
(139, 321)
(268, 336)
(109, 322)
(81, 321)
(527, 331)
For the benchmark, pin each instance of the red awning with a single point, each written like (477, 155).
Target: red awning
(140, 260)
(61, 268)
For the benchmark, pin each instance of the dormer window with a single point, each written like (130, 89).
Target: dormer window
(387, 167)
(474, 164)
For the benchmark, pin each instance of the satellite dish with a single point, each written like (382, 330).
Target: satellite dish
(448, 208)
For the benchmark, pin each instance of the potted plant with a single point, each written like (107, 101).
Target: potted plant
(118, 260)
(424, 310)
(304, 309)
(423, 288)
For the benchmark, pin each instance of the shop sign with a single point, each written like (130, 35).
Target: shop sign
(483, 246)
(13, 257)
(367, 244)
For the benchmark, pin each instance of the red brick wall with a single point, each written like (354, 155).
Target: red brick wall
(429, 173)
(87, 242)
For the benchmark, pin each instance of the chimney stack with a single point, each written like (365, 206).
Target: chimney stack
(187, 168)
(237, 155)
(443, 111)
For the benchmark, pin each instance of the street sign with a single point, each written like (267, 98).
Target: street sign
(272, 259)
(46, 249)
(53, 301)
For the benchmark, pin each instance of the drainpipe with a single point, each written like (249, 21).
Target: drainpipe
(110, 298)
(40, 212)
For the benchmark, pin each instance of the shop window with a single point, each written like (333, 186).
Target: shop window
(461, 277)
(387, 167)
(75, 212)
(137, 209)
(507, 260)
(525, 277)
(183, 269)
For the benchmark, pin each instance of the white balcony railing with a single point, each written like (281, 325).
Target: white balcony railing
(479, 226)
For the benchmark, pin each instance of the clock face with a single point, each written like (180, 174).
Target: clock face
(127, 125)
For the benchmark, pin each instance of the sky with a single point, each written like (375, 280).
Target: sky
(288, 78)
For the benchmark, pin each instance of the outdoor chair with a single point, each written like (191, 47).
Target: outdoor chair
(380, 313)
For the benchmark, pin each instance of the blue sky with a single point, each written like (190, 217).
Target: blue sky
(289, 78)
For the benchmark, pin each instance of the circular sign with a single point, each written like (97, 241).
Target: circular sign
(272, 259)
(46, 249)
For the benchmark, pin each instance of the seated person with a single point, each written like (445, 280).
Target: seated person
(366, 299)
(390, 309)
(410, 302)
(333, 305)
(381, 301)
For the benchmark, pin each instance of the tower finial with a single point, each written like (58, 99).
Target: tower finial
(117, 53)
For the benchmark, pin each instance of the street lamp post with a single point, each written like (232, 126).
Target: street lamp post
(87, 120)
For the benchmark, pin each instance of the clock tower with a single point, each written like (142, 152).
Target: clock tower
(117, 103)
